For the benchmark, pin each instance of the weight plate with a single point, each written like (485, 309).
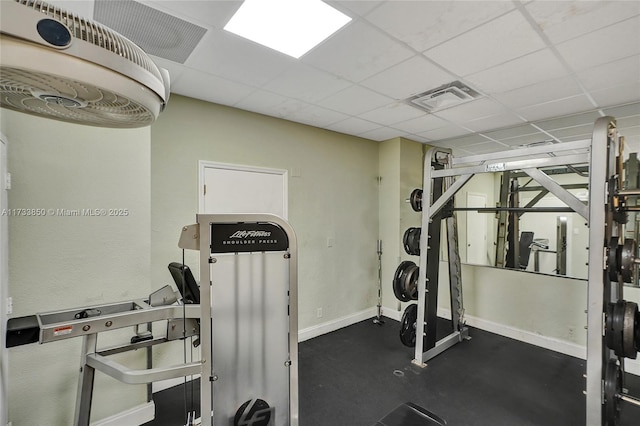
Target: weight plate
(405, 281)
(612, 259)
(627, 257)
(416, 200)
(408, 325)
(411, 241)
(621, 328)
(612, 387)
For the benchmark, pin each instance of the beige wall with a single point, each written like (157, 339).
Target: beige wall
(335, 196)
(61, 262)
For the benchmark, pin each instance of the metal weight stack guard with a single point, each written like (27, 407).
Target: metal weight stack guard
(246, 322)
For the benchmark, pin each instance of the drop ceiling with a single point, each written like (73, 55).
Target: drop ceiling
(545, 70)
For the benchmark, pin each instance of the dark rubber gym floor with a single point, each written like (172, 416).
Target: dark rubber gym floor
(354, 376)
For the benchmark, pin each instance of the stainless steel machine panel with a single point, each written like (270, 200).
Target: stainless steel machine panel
(250, 337)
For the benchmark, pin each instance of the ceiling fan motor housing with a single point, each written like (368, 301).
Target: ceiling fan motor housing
(58, 65)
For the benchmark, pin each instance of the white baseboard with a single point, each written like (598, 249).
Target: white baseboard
(134, 416)
(336, 324)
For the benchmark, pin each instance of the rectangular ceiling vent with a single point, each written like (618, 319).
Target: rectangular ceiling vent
(443, 97)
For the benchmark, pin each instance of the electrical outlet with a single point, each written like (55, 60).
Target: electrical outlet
(319, 312)
(331, 241)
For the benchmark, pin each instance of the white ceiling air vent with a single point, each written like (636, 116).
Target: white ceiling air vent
(443, 97)
(57, 65)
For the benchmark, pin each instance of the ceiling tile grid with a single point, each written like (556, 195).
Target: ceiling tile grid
(531, 61)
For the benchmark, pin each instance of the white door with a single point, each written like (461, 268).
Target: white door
(230, 188)
(476, 230)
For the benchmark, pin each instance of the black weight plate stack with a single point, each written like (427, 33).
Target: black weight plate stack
(408, 325)
(405, 281)
(613, 260)
(612, 387)
(411, 241)
(416, 200)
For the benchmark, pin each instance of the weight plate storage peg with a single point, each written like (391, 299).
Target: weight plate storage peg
(411, 241)
(416, 200)
(612, 388)
(622, 328)
(405, 281)
(408, 325)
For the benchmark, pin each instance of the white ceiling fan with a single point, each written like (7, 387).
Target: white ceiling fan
(58, 65)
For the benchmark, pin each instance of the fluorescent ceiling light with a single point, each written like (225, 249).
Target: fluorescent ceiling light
(292, 27)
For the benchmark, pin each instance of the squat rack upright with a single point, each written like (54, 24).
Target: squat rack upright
(445, 175)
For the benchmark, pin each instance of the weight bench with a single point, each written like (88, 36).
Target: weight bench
(410, 414)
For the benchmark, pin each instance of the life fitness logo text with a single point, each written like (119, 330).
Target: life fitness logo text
(255, 412)
(250, 234)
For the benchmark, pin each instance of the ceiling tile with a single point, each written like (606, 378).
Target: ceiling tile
(569, 121)
(245, 61)
(603, 46)
(617, 95)
(303, 82)
(391, 114)
(574, 131)
(563, 20)
(530, 69)
(546, 91)
(356, 52)
(450, 131)
(473, 110)
(355, 100)
(420, 124)
(357, 7)
(512, 132)
(200, 85)
(613, 74)
(413, 76)
(381, 134)
(424, 24)
(463, 141)
(485, 148)
(316, 116)
(556, 108)
(262, 102)
(630, 110)
(353, 126)
(493, 122)
(503, 39)
(214, 14)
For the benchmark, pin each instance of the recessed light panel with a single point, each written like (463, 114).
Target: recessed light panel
(292, 27)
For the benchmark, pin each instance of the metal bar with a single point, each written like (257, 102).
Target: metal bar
(445, 343)
(563, 195)
(523, 152)
(596, 270)
(565, 186)
(423, 263)
(561, 245)
(516, 209)
(514, 165)
(131, 346)
(136, 377)
(449, 194)
(501, 237)
(65, 329)
(432, 254)
(629, 399)
(84, 394)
